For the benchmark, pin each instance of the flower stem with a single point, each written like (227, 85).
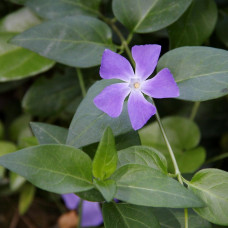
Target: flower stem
(194, 110)
(176, 168)
(124, 42)
(186, 217)
(80, 213)
(81, 82)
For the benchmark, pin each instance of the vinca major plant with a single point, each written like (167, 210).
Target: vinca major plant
(93, 125)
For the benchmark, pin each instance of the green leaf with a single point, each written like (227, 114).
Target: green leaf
(142, 155)
(91, 195)
(18, 63)
(195, 25)
(55, 94)
(19, 21)
(126, 215)
(105, 160)
(55, 168)
(211, 186)
(166, 218)
(106, 187)
(16, 181)
(60, 8)
(20, 126)
(26, 198)
(201, 73)
(89, 122)
(77, 41)
(7, 147)
(128, 139)
(27, 142)
(191, 160)
(183, 135)
(170, 218)
(49, 134)
(141, 185)
(221, 32)
(148, 16)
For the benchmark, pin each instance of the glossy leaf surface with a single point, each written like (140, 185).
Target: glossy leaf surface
(77, 41)
(56, 168)
(211, 186)
(145, 16)
(141, 185)
(127, 215)
(201, 73)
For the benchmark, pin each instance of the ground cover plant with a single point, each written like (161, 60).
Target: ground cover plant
(114, 113)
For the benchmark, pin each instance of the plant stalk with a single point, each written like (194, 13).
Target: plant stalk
(194, 110)
(81, 82)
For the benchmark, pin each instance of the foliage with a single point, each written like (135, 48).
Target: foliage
(52, 136)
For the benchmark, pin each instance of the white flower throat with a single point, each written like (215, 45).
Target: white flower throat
(135, 83)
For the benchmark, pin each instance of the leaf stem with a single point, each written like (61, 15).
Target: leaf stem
(124, 42)
(81, 82)
(186, 217)
(80, 214)
(194, 110)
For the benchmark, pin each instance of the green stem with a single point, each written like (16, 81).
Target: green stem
(125, 45)
(124, 42)
(80, 213)
(81, 82)
(176, 168)
(186, 217)
(194, 110)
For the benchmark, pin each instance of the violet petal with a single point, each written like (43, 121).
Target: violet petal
(111, 99)
(116, 66)
(139, 109)
(162, 85)
(146, 58)
(91, 214)
(71, 200)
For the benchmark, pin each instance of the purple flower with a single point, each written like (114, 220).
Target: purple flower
(111, 99)
(91, 212)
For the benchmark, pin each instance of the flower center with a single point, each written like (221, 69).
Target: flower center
(136, 85)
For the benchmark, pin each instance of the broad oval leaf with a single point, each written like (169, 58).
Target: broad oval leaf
(201, 73)
(170, 218)
(59, 8)
(142, 155)
(77, 41)
(183, 135)
(19, 21)
(54, 95)
(105, 159)
(127, 215)
(89, 122)
(145, 16)
(106, 187)
(18, 63)
(7, 147)
(49, 134)
(195, 26)
(211, 186)
(141, 185)
(91, 195)
(55, 168)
